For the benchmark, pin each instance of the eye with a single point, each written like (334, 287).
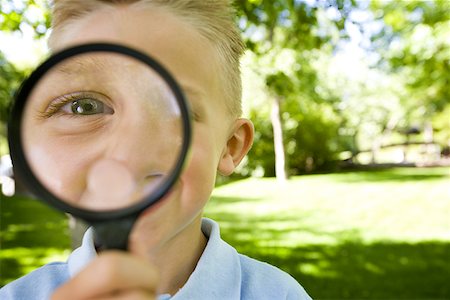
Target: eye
(86, 106)
(79, 104)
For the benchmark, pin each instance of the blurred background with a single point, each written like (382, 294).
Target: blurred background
(347, 186)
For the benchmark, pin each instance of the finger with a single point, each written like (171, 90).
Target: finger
(111, 273)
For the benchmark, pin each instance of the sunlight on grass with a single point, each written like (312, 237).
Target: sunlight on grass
(340, 207)
(355, 235)
(32, 234)
(25, 260)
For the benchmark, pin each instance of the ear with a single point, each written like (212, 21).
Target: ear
(239, 143)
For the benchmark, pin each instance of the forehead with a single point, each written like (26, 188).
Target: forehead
(191, 58)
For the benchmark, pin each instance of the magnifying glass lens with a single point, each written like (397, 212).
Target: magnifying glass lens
(102, 131)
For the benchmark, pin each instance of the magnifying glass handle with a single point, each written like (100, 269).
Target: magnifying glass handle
(113, 234)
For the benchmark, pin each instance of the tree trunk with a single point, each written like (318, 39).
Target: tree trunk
(432, 152)
(280, 159)
(375, 148)
(378, 141)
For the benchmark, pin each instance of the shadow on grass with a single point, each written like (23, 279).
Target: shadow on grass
(357, 271)
(347, 269)
(343, 266)
(30, 232)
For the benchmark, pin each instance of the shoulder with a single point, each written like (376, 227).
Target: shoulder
(38, 284)
(263, 281)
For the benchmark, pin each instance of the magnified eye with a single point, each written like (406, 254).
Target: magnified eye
(86, 107)
(79, 104)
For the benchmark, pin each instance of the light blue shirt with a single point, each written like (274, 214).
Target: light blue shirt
(221, 273)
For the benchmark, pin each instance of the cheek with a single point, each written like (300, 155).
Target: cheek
(61, 171)
(60, 174)
(198, 179)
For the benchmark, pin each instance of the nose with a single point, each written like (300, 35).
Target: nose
(109, 185)
(147, 141)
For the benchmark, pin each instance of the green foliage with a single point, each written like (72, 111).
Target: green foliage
(416, 45)
(288, 23)
(441, 125)
(15, 15)
(286, 37)
(261, 156)
(10, 79)
(329, 103)
(310, 125)
(419, 51)
(352, 102)
(310, 134)
(312, 137)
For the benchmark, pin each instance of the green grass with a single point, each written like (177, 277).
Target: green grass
(31, 235)
(357, 235)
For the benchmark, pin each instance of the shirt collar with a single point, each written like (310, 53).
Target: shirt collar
(218, 273)
(216, 276)
(81, 256)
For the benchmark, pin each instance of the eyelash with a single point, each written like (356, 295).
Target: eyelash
(55, 108)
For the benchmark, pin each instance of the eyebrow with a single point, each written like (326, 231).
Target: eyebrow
(78, 64)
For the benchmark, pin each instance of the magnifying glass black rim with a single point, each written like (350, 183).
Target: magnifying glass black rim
(22, 168)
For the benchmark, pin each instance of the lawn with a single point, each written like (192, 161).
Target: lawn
(357, 235)
(31, 234)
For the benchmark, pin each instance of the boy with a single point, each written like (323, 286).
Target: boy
(173, 252)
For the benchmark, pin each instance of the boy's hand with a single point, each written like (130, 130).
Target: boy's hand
(113, 275)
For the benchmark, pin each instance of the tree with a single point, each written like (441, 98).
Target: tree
(414, 44)
(10, 78)
(402, 79)
(369, 100)
(16, 15)
(15, 18)
(294, 31)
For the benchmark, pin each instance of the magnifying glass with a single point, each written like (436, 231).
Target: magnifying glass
(100, 131)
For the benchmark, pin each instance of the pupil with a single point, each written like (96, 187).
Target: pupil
(85, 107)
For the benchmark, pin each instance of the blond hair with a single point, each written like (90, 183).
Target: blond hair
(212, 18)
